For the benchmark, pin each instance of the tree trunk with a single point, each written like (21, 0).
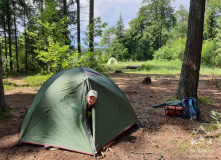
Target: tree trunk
(189, 78)
(91, 26)
(26, 53)
(3, 105)
(78, 27)
(67, 42)
(9, 34)
(6, 48)
(16, 43)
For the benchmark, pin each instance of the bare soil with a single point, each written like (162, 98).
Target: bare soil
(162, 137)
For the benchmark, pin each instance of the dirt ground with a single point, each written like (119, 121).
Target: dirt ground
(162, 137)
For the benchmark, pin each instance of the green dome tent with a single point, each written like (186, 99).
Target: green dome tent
(58, 114)
(112, 61)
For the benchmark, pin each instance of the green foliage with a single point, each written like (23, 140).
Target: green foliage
(157, 32)
(175, 45)
(144, 67)
(107, 37)
(204, 100)
(91, 60)
(147, 32)
(56, 56)
(50, 39)
(113, 38)
(217, 117)
(155, 18)
(97, 28)
(160, 67)
(211, 51)
(208, 53)
(218, 46)
(211, 15)
(94, 59)
(9, 85)
(117, 50)
(172, 51)
(180, 29)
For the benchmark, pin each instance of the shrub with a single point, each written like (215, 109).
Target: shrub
(208, 57)
(172, 51)
(144, 67)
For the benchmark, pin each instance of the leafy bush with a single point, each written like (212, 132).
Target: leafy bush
(208, 53)
(144, 67)
(117, 50)
(172, 51)
(56, 57)
(91, 60)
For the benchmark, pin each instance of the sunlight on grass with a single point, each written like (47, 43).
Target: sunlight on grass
(158, 67)
(150, 67)
(204, 100)
(8, 85)
(36, 80)
(210, 71)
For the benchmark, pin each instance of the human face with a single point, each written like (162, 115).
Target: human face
(91, 100)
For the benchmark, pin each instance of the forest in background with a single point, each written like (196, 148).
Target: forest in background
(51, 38)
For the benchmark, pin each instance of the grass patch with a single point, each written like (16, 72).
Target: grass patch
(150, 67)
(185, 145)
(210, 71)
(8, 85)
(161, 67)
(36, 80)
(211, 128)
(171, 98)
(204, 100)
(144, 67)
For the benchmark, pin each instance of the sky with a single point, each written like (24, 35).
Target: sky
(109, 11)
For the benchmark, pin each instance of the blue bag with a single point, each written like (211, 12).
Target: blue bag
(190, 109)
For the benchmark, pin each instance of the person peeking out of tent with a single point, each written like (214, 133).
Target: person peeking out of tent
(91, 98)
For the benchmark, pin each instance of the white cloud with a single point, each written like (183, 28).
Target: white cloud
(109, 10)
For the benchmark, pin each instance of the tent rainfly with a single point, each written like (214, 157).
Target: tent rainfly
(58, 114)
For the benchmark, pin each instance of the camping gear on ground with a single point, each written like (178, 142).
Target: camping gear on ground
(170, 103)
(112, 61)
(173, 110)
(188, 105)
(58, 114)
(190, 108)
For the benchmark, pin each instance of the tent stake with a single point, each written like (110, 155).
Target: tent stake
(139, 125)
(95, 156)
(18, 144)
